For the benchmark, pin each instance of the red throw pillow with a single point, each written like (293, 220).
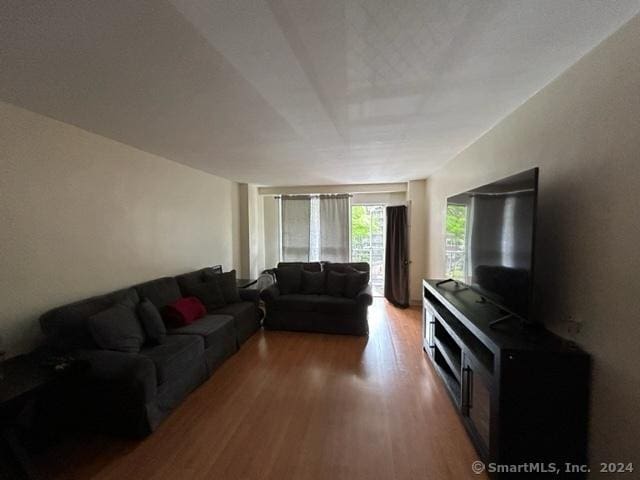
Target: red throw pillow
(185, 311)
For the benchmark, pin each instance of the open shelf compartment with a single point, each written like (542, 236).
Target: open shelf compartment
(451, 380)
(459, 334)
(449, 349)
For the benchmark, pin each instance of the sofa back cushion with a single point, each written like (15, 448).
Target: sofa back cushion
(289, 279)
(313, 283)
(308, 266)
(213, 287)
(161, 291)
(117, 328)
(187, 281)
(151, 321)
(347, 267)
(227, 283)
(66, 327)
(356, 282)
(336, 283)
(208, 293)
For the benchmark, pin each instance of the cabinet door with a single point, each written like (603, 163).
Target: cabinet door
(477, 398)
(428, 328)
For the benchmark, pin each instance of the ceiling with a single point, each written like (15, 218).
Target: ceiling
(294, 92)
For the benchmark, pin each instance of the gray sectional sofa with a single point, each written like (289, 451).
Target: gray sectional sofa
(131, 393)
(319, 312)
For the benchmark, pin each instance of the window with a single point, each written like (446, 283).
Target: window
(367, 240)
(455, 238)
(315, 228)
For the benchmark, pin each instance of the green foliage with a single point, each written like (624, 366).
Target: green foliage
(361, 222)
(456, 236)
(456, 221)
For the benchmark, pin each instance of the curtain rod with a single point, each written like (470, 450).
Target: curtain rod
(318, 195)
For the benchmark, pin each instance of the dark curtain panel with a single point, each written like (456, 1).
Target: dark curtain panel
(396, 268)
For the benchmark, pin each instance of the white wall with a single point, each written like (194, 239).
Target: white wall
(243, 228)
(417, 219)
(385, 198)
(82, 215)
(583, 131)
(343, 188)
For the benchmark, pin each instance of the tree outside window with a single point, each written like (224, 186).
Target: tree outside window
(456, 235)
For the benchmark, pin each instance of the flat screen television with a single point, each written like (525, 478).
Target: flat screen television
(489, 243)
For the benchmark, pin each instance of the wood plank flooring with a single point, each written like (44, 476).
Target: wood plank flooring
(298, 406)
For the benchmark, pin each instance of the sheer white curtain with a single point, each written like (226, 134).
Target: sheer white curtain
(334, 228)
(315, 228)
(295, 228)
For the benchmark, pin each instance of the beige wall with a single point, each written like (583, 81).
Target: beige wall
(417, 218)
(343, 188)
(243, 228)
(390, 198)
(583, 131)
(236, 230)
(81, 215)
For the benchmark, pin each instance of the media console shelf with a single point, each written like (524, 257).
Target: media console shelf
(522, 392)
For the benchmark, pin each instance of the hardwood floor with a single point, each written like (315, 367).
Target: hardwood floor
(298, 406)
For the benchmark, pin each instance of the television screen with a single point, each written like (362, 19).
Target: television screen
(490, 239)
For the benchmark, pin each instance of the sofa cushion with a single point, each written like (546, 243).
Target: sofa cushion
(209, 294)
(202, 284)
(151, 321)
(330, 304)
(117, 328)
(236, 309)
(227, 283)
(289, 279)
(313, 283)
(208, 327)
(307, 266)
(245, 318)
(161, 291)
(175, 355)
(66, 327)
(184, 311)
(336, 283)
(296, 302)
(188, 280)
(347, 267)
(356, 281)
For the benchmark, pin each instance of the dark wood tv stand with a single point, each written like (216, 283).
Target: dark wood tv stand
(521, 391)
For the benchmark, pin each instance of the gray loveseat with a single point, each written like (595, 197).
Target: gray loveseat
(320, 313)
(131, 393)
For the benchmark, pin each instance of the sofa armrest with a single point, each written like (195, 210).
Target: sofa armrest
(270, 293)
(365, 296)
(130, 371)
(249, 295)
